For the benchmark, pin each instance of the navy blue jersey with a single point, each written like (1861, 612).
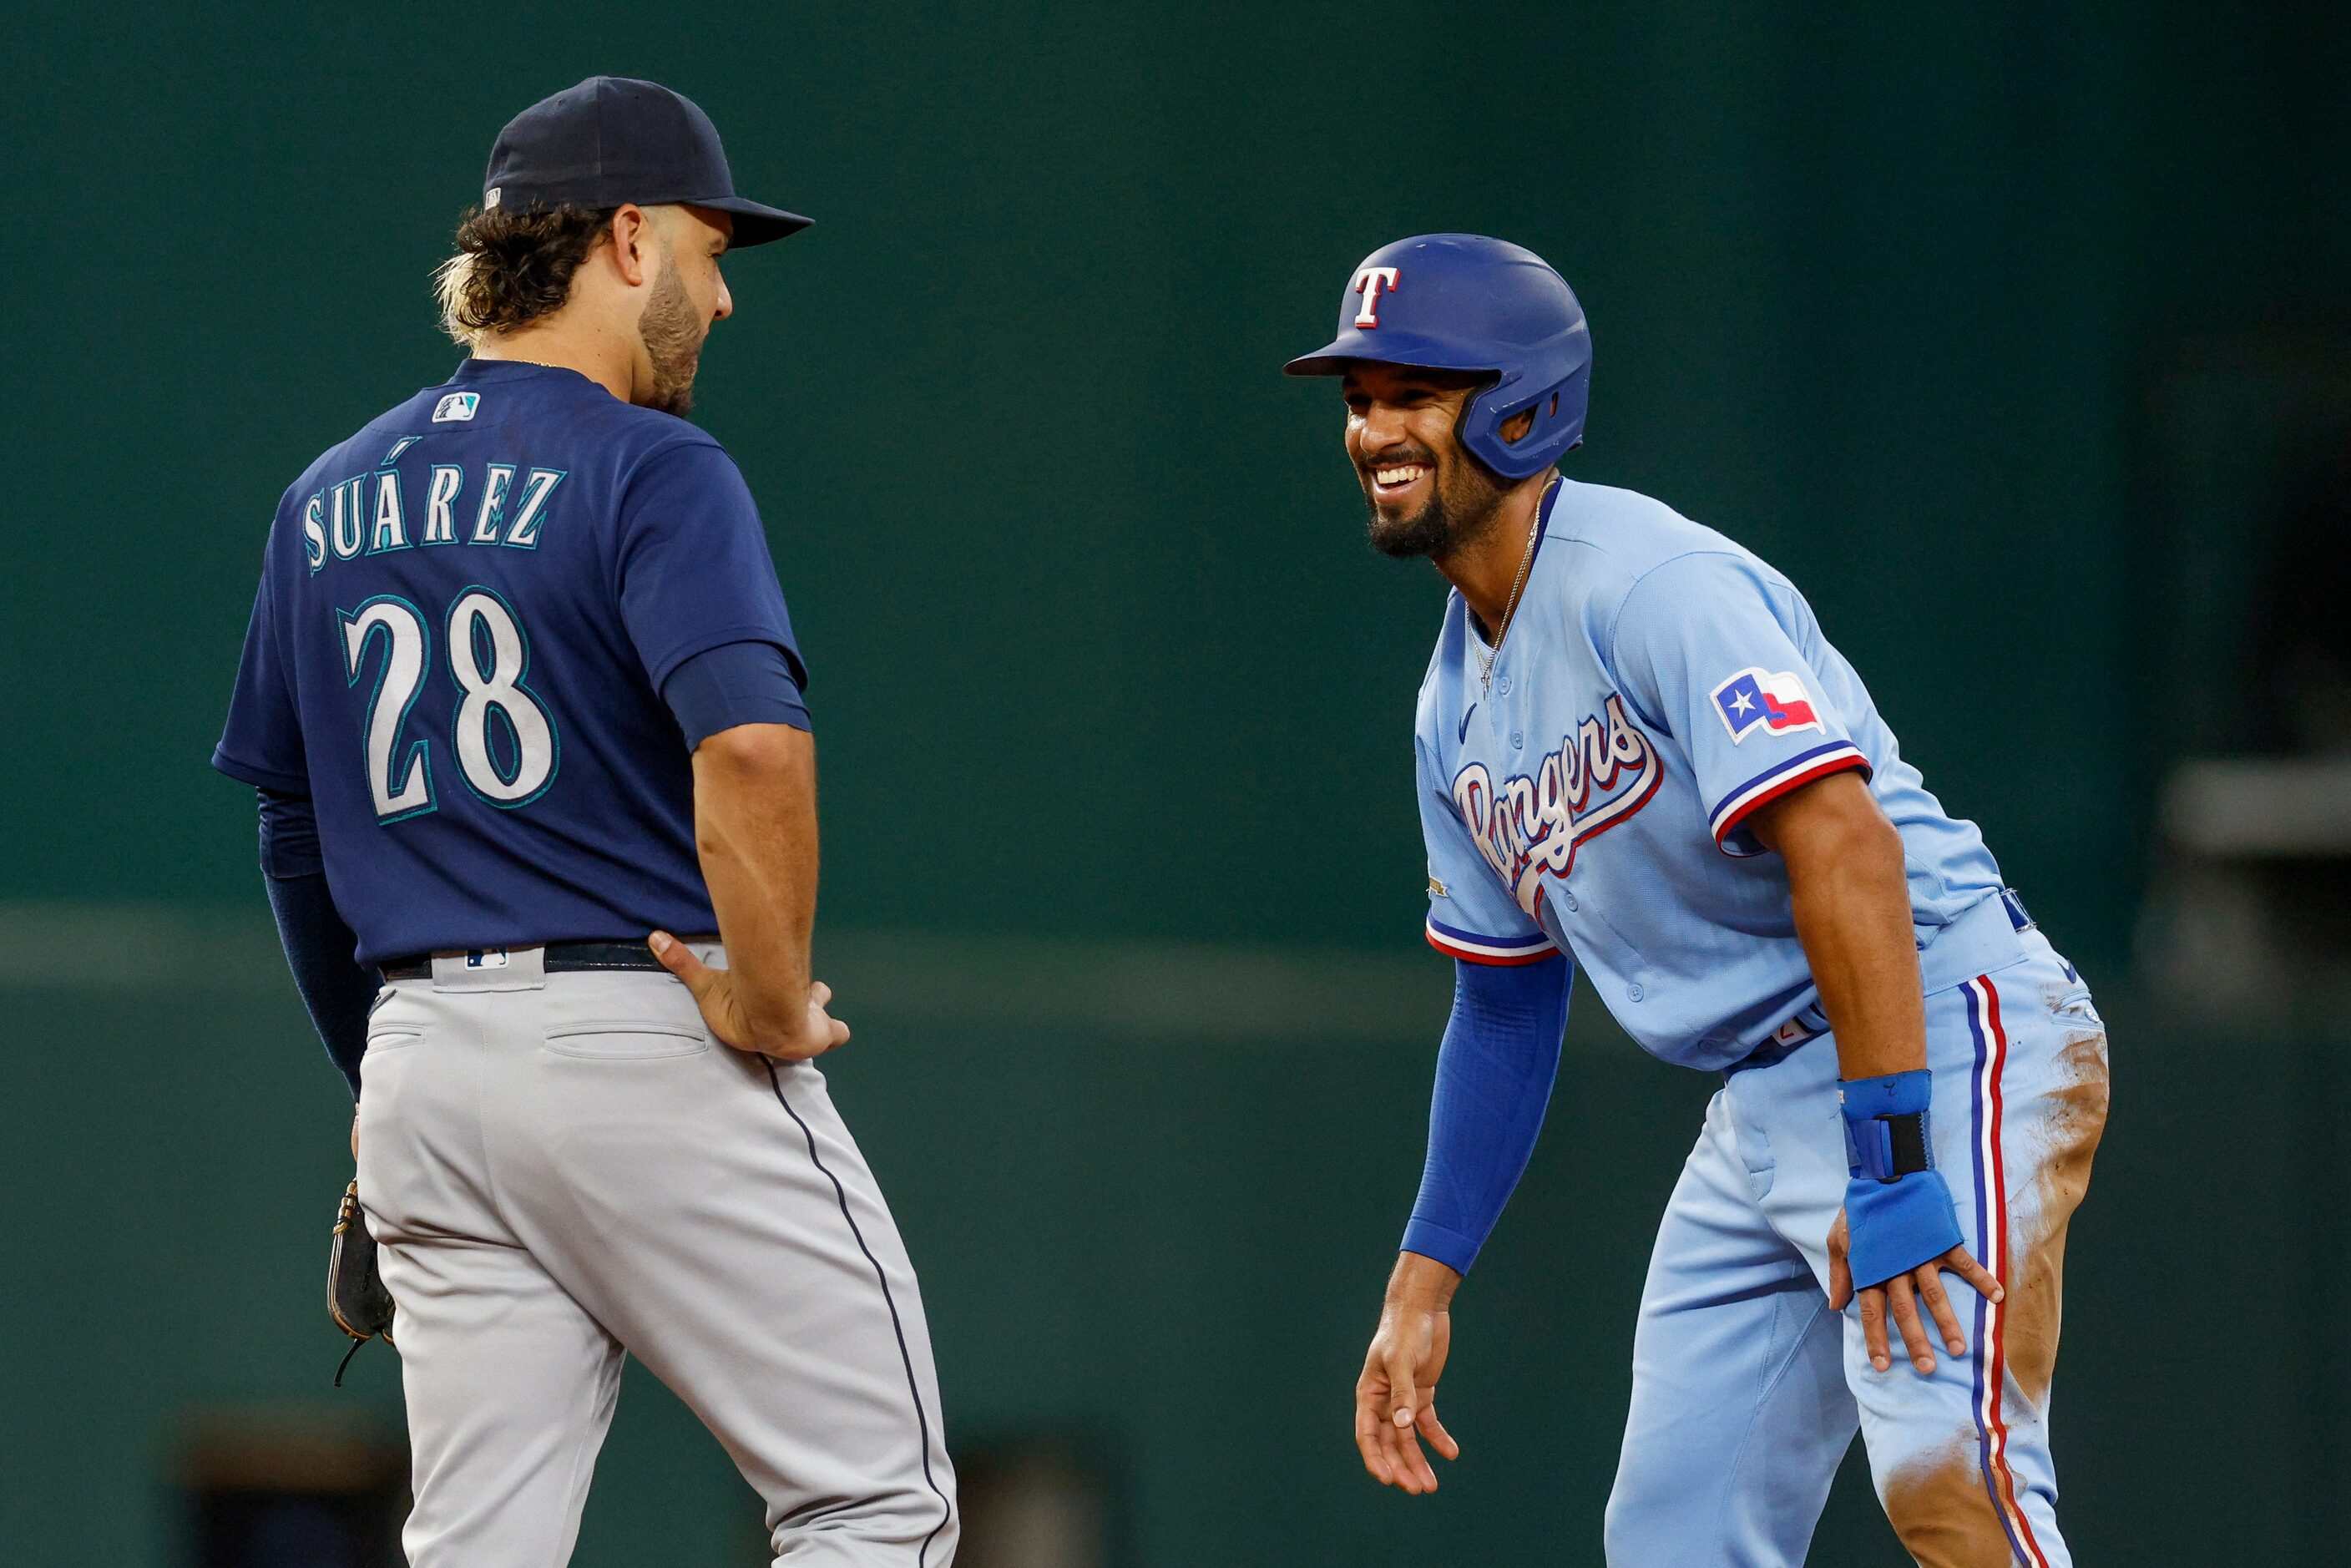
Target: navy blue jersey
(466, 616)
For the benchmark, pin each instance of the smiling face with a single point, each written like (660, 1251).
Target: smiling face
(1427, 495)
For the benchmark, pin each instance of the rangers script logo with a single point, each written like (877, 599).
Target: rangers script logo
(1600, 776)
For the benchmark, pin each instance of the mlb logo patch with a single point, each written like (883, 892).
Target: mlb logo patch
(456, 407)
(486, 958)
(1754, 699)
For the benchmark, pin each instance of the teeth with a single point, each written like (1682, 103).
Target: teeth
(1405, 474)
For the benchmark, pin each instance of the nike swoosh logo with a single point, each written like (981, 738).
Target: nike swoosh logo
(1463, 732)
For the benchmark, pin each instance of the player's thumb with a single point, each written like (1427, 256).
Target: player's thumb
(679, 960)
(1840, 1276)
(1403, 1394)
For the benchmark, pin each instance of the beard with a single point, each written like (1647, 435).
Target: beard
(673, 333)
(1463, 500)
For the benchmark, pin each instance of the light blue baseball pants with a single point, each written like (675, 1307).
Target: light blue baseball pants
(1747, 1390)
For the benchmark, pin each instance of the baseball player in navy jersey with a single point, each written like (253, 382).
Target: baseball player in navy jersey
(1637, 751)
(524, 705)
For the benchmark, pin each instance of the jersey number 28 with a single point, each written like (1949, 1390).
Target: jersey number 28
(506, 746)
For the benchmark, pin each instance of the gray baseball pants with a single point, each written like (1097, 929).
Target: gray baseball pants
(562, 1170)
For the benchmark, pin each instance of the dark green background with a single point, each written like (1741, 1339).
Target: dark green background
(1098, 651)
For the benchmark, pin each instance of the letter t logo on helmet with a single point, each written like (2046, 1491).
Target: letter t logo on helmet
(1484, 306)
(1368, 283)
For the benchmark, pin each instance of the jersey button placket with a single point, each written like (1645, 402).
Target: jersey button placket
(1635, 991)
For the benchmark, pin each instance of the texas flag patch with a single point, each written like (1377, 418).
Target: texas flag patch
(1754, 699)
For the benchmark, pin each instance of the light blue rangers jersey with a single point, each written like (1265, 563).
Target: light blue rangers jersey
(1658, 684)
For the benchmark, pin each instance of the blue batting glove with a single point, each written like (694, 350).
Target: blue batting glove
(1899, 1211)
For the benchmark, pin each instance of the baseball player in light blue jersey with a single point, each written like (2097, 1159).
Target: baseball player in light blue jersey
(1637, 750)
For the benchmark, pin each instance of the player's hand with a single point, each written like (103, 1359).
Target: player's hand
(1902, 1293)
(1395, 1398)
(809, 1033)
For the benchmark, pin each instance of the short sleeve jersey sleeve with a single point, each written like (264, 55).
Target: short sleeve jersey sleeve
(694, 571)
(1471, 914)
(262, 741)
(1709, 646)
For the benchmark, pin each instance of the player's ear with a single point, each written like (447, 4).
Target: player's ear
(634, 244)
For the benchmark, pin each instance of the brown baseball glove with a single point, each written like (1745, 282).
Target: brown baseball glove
(356, 1297)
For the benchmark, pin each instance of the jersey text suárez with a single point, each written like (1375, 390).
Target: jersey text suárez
(485, 504)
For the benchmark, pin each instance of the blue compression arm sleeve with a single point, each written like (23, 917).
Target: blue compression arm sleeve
(290, 835)
(1494, 1076)
(736, 682)
(320, 948)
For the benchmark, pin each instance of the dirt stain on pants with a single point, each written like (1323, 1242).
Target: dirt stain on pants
(1941, 1508)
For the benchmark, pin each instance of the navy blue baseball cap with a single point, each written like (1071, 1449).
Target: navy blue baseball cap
(613, 139)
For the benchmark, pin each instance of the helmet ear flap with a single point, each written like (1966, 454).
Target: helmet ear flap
(1527, 420)
(1469, 425)
(1546, 421)
(1554, 426)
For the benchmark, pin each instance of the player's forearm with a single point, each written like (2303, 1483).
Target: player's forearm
(755, 831)
(320, 946)
(1851, 904)
(1421, 1282)
(1494, 1076)
(335, 989)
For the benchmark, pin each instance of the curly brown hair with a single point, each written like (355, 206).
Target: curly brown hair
(515, 266)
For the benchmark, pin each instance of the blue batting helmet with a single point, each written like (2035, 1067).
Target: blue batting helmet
(1464, 302)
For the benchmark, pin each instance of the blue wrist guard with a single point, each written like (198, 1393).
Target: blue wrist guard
(1899, 1212)
(1886, 1125)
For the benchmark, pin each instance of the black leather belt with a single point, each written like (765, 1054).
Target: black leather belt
(557, 958)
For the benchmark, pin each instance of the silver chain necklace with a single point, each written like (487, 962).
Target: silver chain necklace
(1511, 608)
